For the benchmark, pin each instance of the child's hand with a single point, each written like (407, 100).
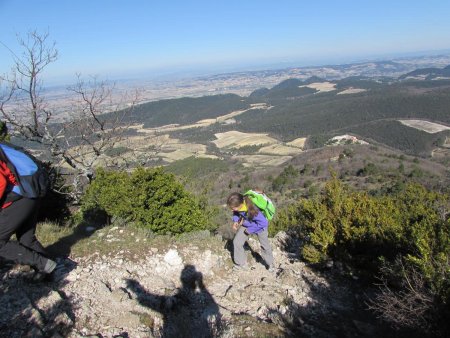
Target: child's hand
(235, 226)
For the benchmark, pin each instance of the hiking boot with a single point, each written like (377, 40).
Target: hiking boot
(63, 268)
(55, 271)
(240, 267)
(44, 275)
(67, 262)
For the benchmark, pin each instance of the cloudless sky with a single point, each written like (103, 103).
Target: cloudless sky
(111, 37)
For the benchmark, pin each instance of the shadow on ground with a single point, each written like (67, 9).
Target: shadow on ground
(190, 312)
(96, 220)
(335, 306)
(37, 309)
(63, 246)
(30, 309)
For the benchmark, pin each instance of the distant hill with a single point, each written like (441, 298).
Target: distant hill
(313, 79)
(186, 110)
(371, 112)
(289, 88)
(427, 74)
(259, 92)
(363, 82)
(369, 108)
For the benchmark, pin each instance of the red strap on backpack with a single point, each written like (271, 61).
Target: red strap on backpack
(4, 170)
(6, 178)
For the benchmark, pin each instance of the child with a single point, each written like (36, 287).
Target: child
(248, 219)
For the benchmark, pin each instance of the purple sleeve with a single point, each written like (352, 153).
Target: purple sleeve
(258, 223)
(235, 217)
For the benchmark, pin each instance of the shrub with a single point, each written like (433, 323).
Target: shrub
(285, 178)
(369, 169)
(319, 168)
(348, 152)
(4, 136)
(117, 151)
(413, 307)
(150, 198)
(197, 167)
(416, 172)
(370, 232)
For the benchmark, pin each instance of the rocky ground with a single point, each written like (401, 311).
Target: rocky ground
(185, 291)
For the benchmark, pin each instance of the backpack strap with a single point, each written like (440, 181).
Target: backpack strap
(7, 195)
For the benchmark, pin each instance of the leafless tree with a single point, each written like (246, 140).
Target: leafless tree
(28, 114)
(409, 305)
(95, 123)
(7, 89)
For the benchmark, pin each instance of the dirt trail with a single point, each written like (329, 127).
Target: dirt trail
(184, 290)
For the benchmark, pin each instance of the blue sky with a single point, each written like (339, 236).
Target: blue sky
(116, 38)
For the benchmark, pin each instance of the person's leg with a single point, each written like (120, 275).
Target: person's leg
(11, 219)
(239, 240)
(26, 234)
(266, 248)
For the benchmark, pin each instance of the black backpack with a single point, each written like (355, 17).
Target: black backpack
(32, 178)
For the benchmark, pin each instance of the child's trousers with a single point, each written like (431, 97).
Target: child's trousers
(240, 258)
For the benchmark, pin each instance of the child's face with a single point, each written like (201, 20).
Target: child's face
(236, 208)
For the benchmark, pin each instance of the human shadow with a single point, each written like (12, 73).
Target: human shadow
(190, 312)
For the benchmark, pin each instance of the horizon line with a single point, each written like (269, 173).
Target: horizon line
(194, 71)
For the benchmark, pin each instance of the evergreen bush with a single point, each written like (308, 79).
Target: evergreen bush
(149, 198)
(411, 225)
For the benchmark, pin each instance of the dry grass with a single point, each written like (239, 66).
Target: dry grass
(236, 139)
(279, 149)
(298, 142)
(446, 142)
(132, 242)
(352, 91)
(426, 126)
(80, 241)
(322, 86)
(262, 160)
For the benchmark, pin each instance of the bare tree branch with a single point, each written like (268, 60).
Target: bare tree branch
(410, 306)
(96, 124)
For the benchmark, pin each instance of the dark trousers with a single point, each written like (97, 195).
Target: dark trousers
(20, 218)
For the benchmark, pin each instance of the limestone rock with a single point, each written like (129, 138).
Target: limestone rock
(173, 258)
